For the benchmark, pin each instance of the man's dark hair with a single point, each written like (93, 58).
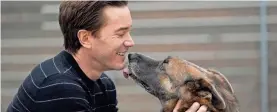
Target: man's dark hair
(76, 15)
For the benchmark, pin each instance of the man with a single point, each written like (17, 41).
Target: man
(96, 39)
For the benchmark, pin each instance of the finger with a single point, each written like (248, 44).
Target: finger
(194, 107)
(178, 105)
(203, 109)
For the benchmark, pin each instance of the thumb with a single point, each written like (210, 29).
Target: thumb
(178, 105)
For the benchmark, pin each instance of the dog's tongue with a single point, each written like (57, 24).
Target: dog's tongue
(125, 72)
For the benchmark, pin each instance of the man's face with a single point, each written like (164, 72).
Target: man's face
(113, 40)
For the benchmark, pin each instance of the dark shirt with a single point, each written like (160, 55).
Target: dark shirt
(59, 85)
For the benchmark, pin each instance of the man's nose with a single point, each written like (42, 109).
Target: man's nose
(129, 42)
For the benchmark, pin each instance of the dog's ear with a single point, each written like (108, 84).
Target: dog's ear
(218, 100)
(217, 76)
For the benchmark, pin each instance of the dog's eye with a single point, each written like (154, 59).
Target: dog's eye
(166, 61)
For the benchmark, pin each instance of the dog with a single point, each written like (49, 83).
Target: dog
(173, 78)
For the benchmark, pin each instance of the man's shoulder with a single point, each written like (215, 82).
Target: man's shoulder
(38, 79)
(48, 72)
(45, 68)
(58, 86)
(41, 87)
(50, 66)
(52, 90)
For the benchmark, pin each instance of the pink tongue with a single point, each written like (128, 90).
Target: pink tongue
(125, 72)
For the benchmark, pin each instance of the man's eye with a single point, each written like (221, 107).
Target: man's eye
(121, 35)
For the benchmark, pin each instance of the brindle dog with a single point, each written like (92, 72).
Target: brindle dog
(173, 78)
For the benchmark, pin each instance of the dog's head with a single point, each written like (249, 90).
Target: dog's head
(163, 78)
(150, 74)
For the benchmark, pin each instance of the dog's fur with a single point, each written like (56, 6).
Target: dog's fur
(173, 78)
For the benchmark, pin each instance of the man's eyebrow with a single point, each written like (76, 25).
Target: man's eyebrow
(123, 28)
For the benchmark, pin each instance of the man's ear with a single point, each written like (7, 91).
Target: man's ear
(84, 37)
(219, 101)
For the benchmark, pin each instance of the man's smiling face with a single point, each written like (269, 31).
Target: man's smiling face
(113, 39)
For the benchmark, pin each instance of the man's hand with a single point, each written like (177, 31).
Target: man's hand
(194, 108)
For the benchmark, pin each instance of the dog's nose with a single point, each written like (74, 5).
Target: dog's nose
(132, 56)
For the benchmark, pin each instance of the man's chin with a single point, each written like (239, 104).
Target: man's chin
(120, 66)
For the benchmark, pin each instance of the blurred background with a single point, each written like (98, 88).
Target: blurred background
(221, 35)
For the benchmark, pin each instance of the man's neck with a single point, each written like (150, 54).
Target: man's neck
(90, 67)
